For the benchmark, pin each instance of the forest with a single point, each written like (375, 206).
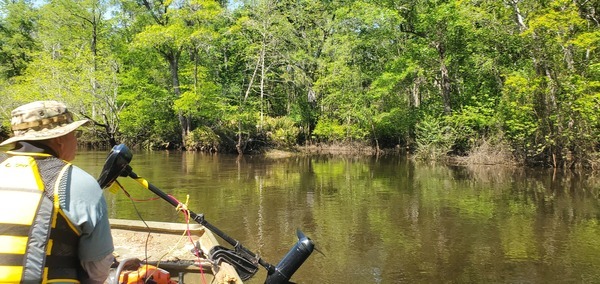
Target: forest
(488, 81)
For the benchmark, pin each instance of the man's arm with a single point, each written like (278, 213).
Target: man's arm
(98, 270)
(87, 209)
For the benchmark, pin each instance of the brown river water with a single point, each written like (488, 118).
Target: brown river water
(382, 220)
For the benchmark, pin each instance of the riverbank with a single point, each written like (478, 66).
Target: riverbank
(331, 150)
(485, 154)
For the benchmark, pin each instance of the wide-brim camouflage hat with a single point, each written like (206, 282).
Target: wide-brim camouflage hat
(41, 120)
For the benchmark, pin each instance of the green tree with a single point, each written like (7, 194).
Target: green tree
(18, 25)
(73, 64)
(558, 84)
(311, 27)
(175, 28)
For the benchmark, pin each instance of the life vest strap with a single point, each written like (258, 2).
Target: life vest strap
(15, 230)
(11, 260)
(60, 261)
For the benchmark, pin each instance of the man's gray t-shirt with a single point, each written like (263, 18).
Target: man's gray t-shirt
(85, 206)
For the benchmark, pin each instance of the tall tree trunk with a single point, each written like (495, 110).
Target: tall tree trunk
(415, 93)
(377, 149)
(262, 85)
(238, 146)
(519, 19)
(184, 121)
(445, 86)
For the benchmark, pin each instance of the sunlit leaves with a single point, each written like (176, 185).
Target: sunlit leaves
(390, 71)
(518, 113)
(18, 25)
(157, 36)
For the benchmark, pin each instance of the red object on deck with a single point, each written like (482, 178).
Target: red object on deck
(146, 274)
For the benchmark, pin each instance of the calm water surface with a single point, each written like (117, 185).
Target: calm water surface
(386, 220)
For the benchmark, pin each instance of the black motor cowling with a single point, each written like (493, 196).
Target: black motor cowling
(292, 260)
(117, 164)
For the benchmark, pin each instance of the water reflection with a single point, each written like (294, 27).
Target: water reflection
(385, 220)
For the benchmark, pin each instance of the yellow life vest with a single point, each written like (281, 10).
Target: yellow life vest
(38, 243)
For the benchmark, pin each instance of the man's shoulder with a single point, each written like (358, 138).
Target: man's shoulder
(81, 177)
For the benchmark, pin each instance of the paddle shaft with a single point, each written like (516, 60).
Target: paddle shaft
(199, 218)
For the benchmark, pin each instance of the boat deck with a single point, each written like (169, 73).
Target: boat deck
(169, 246)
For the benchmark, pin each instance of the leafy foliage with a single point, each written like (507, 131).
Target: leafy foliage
(434, 138)
(440, 77)
(282, 132)
(202, 139)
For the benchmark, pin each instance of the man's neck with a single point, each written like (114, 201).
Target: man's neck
(32, 147)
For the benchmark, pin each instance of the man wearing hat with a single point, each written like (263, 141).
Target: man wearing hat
(53, 221)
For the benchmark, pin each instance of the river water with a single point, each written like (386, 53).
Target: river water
(382, 220)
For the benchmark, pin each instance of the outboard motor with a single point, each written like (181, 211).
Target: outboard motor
(292, 260)
(117, 164)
